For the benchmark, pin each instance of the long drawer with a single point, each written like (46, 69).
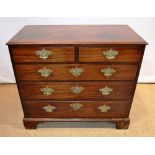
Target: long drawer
(113, 54)
(75, 72)
(43, 54)
(89, 109)
(77, 90)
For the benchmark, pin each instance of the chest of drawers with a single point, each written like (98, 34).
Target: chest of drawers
(76, 73)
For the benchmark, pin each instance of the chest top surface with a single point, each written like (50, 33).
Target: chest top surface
(76, 34)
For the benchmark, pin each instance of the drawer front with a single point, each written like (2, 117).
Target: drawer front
(75, 72)
(87, 54)
(97, 109)
(77, 90)
(43, 54)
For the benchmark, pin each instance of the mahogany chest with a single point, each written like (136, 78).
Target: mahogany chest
(76, 73)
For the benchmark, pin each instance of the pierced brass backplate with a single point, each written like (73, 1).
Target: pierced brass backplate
(106, 90)
(47, 91)
(108, 71)
(76, 71)
(110, 54)
(49, 108)
(77, 89)
(104, 108)
(76, 106)
(43, 54)
(45, 72)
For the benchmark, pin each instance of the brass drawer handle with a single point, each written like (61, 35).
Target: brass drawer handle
(104, 108)
(45, 72)
(76, 106)
(77, 89)
(110, 54)
(47, 91)
(76, 71)
(106, 90)
(43, 54)
(49, 108)
(108, 71)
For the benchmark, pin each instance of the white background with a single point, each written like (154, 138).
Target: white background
(145, 27)
(78, 8)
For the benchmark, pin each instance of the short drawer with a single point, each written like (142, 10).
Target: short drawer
(43, 54)
(75, 72)
(97, 109)
(90, 54)
(77, 90)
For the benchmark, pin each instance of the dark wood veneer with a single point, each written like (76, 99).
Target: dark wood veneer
(80, 46)
(76, 34)
(28, 54)
(121, 90)
(90, 54)
(34, 109)
(29, 72)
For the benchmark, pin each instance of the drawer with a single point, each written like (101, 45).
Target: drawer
(90, 109)
(75, 72)
(77, 90)
(43, 54)
(90, 54)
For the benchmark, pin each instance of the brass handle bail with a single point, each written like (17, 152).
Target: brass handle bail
(49, 108)
(104, 108)
(110, 54)
(43, 54)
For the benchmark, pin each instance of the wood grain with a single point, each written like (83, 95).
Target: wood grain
(81, 46)
(27, 72)
(89, 109)
(121, 90)
(28, 54)
(121, 123)
(76, 34)
(91, 54)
